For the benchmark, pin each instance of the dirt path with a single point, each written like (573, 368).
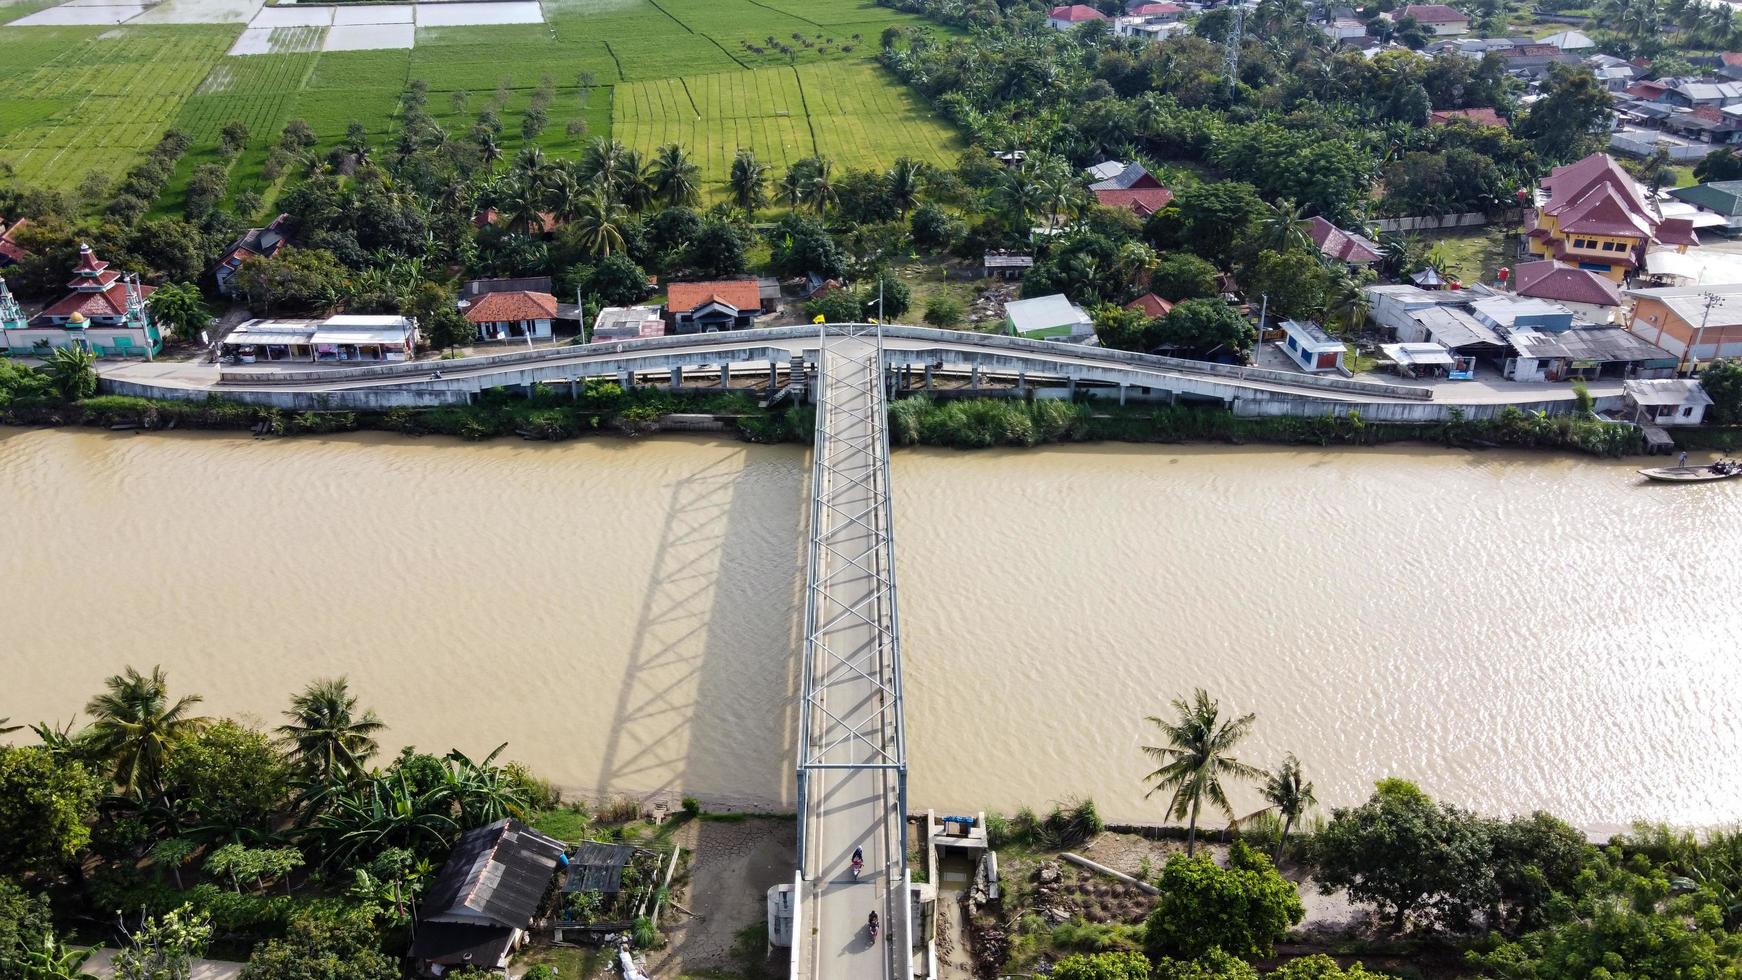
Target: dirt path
(732, 866)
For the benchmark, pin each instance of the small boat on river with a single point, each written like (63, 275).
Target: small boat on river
(1723, 469)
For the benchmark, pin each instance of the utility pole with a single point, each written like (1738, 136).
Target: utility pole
(1711, 300)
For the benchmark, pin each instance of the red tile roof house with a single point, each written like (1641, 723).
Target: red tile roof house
(1356, 251)
(105, 314)
(1162, 12)
(1582, 291)
(1151, 305)
(510, 314)
(1067, 17)
(12, 253)
(1436, 17)
(1480, 117)
(1130, 187)
(713, 307)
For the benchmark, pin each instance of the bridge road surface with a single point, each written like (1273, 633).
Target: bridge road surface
(851, 687)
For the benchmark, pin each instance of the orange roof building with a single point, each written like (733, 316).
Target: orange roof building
(511, 314)
(712, 307)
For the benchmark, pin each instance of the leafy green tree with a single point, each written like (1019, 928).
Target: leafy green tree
(1535, 858)
(136, 728)
(1411, 857)
(229, 781)
(933, 228)
(447, 328)
(296, 280)
(618, 281)
(1723, 163)
(1567, 121)
(253, 865)
(180, 309)
(1215, 965)
(341, 947)
(890, 296)
(1242, 909)
(862, 197)
(382, 812)
(800, 244)
(1296, 283)
(1322, 967)
(836, 306)
(74, 370)
(24, 920)
(1118, 328)
(1102, 966)
(718, 250)
(325, 735)
(1205, 326)
(1217, 220)
(1722, 381)
(1200, 743)
(164, 947)
(1181, 276)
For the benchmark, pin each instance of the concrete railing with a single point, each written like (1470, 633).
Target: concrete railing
(652, 345)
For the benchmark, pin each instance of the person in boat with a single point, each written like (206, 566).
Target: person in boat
(1683, 461)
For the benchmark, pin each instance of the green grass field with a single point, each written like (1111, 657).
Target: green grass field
(785, 78)
(854, 114)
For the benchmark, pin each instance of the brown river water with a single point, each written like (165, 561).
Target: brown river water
(1512, 631)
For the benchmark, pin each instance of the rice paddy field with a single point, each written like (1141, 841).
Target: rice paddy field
(81, 93)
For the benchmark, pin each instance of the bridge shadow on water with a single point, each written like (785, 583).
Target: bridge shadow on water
(706, 706)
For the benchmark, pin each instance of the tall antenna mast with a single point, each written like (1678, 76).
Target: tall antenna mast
(1231, 52)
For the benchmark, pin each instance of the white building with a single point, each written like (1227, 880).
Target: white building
(1666, 401)
(1052, 317)
(344, 339)
(628, 323)
(1308, 345)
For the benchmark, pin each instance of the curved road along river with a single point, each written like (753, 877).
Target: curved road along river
(1515, 631)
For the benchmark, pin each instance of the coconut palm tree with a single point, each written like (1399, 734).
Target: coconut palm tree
(792, 186)
(906, 178)
(135, 725)
(1196, 758)
(522, 203)
(1349, 307)
(674, 176)
(598, 224)
(634, 190)
(748, 182)
(818, 183)
(326, 736)
(1289, 795)
(1283, 228)
(1018, 196)
(489, 149)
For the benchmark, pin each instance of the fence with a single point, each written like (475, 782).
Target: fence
(1442, 222)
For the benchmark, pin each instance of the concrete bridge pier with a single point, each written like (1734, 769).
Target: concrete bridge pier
(928, 376)
(677, 378)
(625, 379)
(1022, 381)
(773, 376)
(1073, 386)
(974, 378)
(1122, 388)
(725, 375)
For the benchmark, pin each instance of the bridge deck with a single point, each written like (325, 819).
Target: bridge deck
(852, 755)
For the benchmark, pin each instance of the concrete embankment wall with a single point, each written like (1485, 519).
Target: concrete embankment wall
(344, 400)
(1275, 405)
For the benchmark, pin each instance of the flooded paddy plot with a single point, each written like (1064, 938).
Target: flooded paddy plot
(369, 37)
(200, 12)
(396, 13)
(477, 14)
(68, 15)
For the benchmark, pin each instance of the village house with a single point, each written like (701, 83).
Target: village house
(1308, 345)
(1355, 251)
(1533, 59)
(1151, 305)
(1570, 41)
(617, 323)
(509, 309)
(1052, 317)
(261, 243)
(1693, 95)
(1666, 401)
(1121, 185)
(1730, 65)
(1614, 73)
(1594, 215)
(1722, 198)
(1005, 265)
(1436, 18)
(1421, 360)
(479, 907)
(105, 313)
(712, 307)
(1342, 28)
(11, 252)
(1393, 307)
(1593, 296)
(1694, 323)
(343, 339)
(1064, 18)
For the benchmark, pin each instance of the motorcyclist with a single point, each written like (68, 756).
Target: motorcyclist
(873, 925)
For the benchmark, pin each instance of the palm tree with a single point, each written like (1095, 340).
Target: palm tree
(482, 791)
(792, 186)
(819, 184)
(325, 735)
(749, 181)
(6, 726)
(1289, 795)
(905, 180)
(385, 812)
(1349, 307)
(1283, 229)
(674, 176)
(1017, 195)
(489, 149)
(598, 225)
(634, 190)
(522, 203)
(135, 726)
(1196, 758)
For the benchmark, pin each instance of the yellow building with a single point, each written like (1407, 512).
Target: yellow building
(1594, 216)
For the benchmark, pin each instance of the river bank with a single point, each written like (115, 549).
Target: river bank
(963, 423)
